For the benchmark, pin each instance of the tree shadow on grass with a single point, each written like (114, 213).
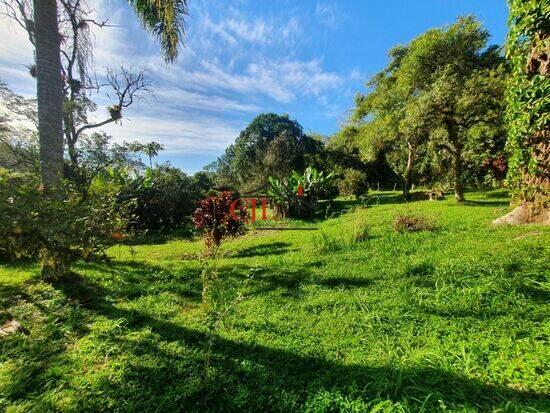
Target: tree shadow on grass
(265, 378)
(265, 249)
(486, 203)
(132, 279)
(244, 375)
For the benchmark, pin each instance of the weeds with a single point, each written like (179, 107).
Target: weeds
(413, 223)
(326, 242)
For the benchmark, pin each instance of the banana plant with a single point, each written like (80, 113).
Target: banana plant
(298, 196)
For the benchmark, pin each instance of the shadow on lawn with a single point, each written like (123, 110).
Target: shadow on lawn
(486, 203)
(243, 375)
(261, 377)
(265, 249)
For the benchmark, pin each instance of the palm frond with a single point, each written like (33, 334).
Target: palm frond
(165, 19)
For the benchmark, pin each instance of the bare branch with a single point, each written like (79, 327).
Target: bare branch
(127, 86)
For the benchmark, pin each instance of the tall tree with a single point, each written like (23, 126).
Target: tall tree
(438, 91)
(49, 87)
(382, 122)
(271, 145)
(451, 71)
(528, 111)
(163, 18)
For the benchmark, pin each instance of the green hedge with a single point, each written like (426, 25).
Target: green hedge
(528, 112)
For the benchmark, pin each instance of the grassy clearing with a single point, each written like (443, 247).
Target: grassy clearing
(451, 319)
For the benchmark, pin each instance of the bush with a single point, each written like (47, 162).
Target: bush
(353, 183)
(59, 230)
(164, 198)
(412, 223)
(216, 220)
(329, 243)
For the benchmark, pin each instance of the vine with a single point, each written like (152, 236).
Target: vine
(528, 103)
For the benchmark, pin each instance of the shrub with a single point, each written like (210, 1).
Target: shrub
(329, 243)
(412, 223)
(353, 183)
(164, 198)
(216, 220)
(298, 196)
(59, 230)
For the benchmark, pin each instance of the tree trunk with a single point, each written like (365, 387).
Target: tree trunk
(53, 264)
(455, 149)
(457, 174)
(408, 173)
(49, 88)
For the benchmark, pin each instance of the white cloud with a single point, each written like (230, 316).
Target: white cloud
(328, 14)
(200, 135)
(357, 74)
(237, 28)
(15, 54)
(191, 100)
(233, 66)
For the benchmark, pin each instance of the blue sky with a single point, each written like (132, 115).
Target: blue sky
(306, 58)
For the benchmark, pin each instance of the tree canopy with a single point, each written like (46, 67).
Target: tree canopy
(271, 145)
(438, 93)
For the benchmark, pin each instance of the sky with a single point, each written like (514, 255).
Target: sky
(304, 58)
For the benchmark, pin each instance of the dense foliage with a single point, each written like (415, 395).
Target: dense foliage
(271, 145)
(164, 198)
(353, 183)
(436, 110)
(298, 195)
(219, 217)
(59, 229)
(528, 110)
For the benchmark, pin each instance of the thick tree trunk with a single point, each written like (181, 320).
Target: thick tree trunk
(457, 175)
(49, 88)
(408, 173)
(525, 213)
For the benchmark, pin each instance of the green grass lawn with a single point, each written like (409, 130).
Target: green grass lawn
(454, 319)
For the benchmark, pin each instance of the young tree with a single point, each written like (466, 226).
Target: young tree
(528, 111)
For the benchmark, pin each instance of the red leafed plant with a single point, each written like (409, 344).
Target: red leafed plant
(497, 167)
(216, 220)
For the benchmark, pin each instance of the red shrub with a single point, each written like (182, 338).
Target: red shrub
(213, 217)
(497, 167)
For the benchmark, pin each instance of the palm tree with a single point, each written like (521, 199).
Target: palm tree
(49, 87)
(152, 149)
(163, 18)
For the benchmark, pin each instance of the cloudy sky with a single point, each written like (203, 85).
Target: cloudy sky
(306, 58)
